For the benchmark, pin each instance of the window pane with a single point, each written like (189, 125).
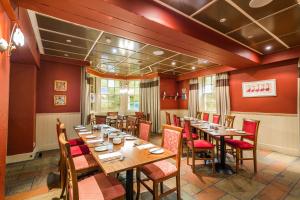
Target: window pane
(117, 83)
(103, 83)
(104, 90)
(131, 84)
(111, 83)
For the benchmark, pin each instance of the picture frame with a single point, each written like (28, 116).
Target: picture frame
(264, 88)
(60, 100)
(60, 86)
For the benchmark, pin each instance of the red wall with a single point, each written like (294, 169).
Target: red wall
(4, 88)
(168, 85)
(51, 71)
(22, 104)
(286, 80)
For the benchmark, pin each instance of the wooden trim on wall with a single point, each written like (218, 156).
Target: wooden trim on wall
(260, 113)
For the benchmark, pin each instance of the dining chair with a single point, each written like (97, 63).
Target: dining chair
(198, 146)
(91, 119)
(229, 120)
(148, 117)
(112, 122)
(73, 142)
(145, 130)
(216, 118)
(251, 128)
(131, 125)
(205, 117)
(98, 186)
(178, 120)
(140, 115)
(175, 120)
(160, 171)
(100, 119)
(168, 118)
(198, 115)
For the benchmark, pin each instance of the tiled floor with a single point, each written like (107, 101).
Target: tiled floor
(278, 177)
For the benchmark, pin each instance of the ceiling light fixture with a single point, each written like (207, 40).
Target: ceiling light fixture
(193, 68)
(68, 41)
(250, 36)
(205, 61)
(259, 3)
(269, 47)
(114, 50)
(222, 20)
(158, 53)
(107, 40)
(173, 63)
(66, 54)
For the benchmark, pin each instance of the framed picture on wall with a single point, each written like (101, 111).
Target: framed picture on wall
(60, 100)
(265, 88)
(60, 86)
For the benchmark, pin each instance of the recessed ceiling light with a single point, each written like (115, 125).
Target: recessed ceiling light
(259, 3)
(68, 41)
(173, 63)
(107, 40)
(114, 50)
(222, 20)
(205, 61)
(66, 54)
(158, 52)
(269, 47)
(193, 68)
(250, 36)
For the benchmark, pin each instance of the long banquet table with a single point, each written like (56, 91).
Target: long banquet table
(133, 157)
(221, 132)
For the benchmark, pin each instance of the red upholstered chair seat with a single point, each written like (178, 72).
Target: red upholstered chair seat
(194, 136)
(79, 150)
(201, 144)
(100, 187)
(84, 162)
(158, 170)
(239, 144)
(75, 142)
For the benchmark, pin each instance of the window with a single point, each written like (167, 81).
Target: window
(209, 94)
(134, 96)
(110, 95)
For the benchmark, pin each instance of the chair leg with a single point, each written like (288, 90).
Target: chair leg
(161, 187)
(155, 191)
(237, 160)
(188, 156)
(254, 160)
(193, 160)
(213, 160)
(241, 156)
(178, 186)
(138, 183)
(217, 145)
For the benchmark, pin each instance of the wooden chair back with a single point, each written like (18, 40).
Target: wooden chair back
(175, 120)
(71, 178)
(131, 123)
(216, 118)
(229, 120)
(144, 130)
(198, 115)
(140, 115)
(168, 118)
(178, 121)
(205, 117)
(172, 140)
(187, 130)
(100, 119)
(91, 119)
(250, 126)
(148, 117)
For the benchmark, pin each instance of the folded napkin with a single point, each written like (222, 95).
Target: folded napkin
(110, 156)
(94, 141)
(230, 129)
(145, 146)
(79, 128)
(85, 132)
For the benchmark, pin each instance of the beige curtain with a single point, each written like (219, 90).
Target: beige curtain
(85, 96)
(222, 95)
(150, 101)
(193, 104)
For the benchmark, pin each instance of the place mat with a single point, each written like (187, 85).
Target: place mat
(85, 132)
(79, 128)
(145, 146)
(230, 129)
(94, 141)
(110, 156)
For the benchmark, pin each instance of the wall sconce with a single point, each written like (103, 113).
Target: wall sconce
(3, 45)
(16, 39)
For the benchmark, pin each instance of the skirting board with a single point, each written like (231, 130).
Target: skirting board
(280, 149)
(21, 157)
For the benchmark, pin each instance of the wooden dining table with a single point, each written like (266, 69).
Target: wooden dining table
(221, 132)
(133, 157)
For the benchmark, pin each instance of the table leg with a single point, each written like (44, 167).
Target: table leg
(129, 184)
(222, 167)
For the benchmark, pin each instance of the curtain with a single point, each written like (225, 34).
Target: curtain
(222, 95)
(193, 104)
(150, 101)
(85, 97)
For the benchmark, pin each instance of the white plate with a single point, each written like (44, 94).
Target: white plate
(90, 136)
(101, 148)
(156, 150)
(240, 131)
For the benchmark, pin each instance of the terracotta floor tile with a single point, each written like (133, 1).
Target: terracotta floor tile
(273, 191)
(210, 193)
